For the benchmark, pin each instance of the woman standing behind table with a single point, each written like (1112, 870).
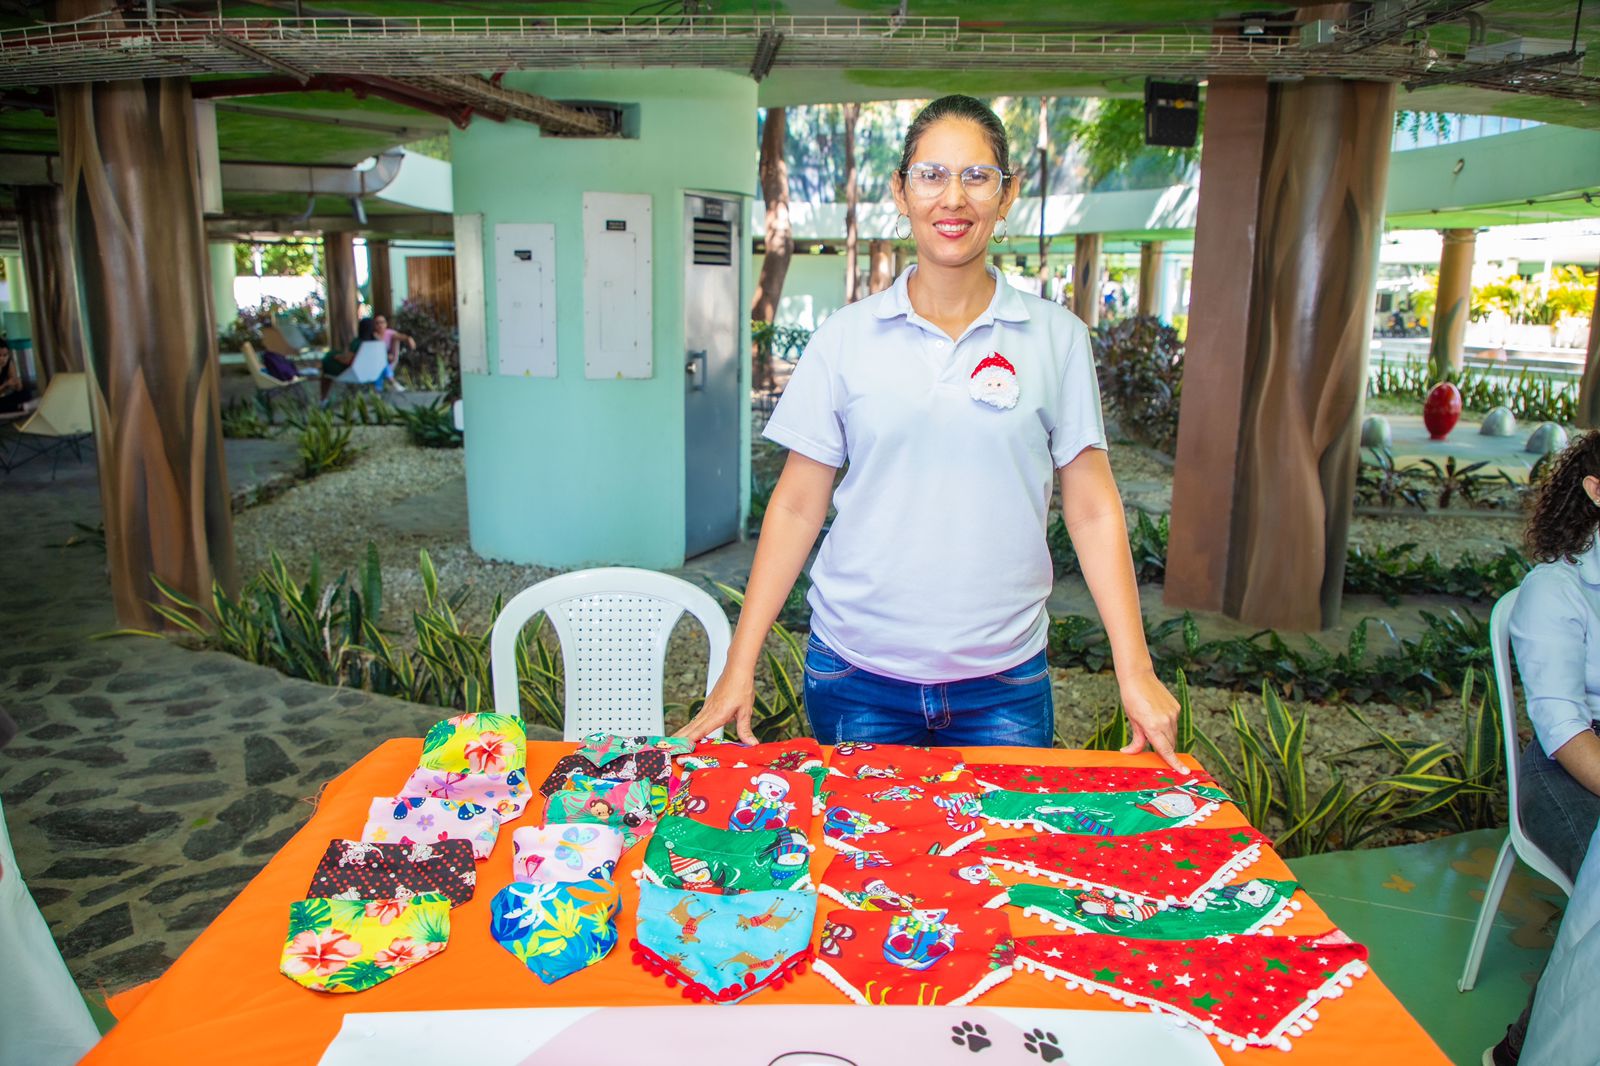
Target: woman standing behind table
(1555, 633)
(953, 398)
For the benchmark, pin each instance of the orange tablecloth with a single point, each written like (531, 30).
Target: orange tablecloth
(224, 996)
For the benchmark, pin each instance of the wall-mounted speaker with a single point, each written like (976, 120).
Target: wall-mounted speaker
(1171, 114)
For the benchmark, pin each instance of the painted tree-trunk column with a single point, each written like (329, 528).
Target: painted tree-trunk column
(56, 319)
(1086, 278)
(852, 242)
(1268, 440)
(774, 175)
(881, 256)
(380, 283)
(344, 300)
(1589, 387)
(132, 197)
(1453, 303)
(1149, 277)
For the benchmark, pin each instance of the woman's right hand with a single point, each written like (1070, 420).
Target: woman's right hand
(732, 699)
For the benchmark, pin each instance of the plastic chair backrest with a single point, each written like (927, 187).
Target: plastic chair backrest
(372, 358)
(63, 410)
(291, 332)
(273, 340)
(1500, 647)
(613, 624)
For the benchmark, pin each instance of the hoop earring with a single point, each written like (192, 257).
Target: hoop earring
(1003, 230)
(907, 234)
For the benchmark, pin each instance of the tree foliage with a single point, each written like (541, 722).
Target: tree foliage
(278, 258)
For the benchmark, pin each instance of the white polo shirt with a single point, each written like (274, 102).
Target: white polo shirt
(935, 568)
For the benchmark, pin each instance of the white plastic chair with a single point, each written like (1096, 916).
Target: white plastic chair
(61, 421)
(1516, 839)
(613, 623)
(372, 359)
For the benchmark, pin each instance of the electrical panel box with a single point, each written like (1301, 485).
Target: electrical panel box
(470, 314)
(525, 298)
(617, 285)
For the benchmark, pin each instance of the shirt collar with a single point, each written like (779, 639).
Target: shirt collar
(1006, 306)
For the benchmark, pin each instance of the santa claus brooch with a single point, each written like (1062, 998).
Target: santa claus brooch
(994, 382)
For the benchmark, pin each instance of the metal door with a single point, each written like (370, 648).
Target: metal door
(711, 320)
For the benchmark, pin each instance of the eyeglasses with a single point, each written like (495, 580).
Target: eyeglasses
(980, 182)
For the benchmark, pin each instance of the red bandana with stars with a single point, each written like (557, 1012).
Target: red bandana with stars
(955, 882)
(899, 816)
(933, 957)
(1082, 778)
(1239, 990)
(1169, 866)
(894, 760)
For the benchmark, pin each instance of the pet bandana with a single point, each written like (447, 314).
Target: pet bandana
(918, 881)
(420, 820)
(801, 755)
(556, 929)
(723, 948)
(1019, 778)
(746, 798)
(1104, 813)
(1172, 866)
(865, 813)
(602, 748)
(1243, 990)
(649, 765)
(1241, 909)
(475, 758)
(564, 852)
(895, 760)
(343, 945)
(630, 807)
(353, 869)
(919, 957)
(699, 858)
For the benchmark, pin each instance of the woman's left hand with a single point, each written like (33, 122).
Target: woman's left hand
(1152, 717)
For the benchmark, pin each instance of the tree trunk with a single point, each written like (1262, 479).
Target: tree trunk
(881, 256)
(1452, 304)
(56, 320)
(344, 301)
(852, 271)
(132, 195)
(779, 237)
(1589, 387)
(1086, 278)
(1149, 277)
(379, 284)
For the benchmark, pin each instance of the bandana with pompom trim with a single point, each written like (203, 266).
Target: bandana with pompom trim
(1257, 904)
(925, 958)
(1104, 813)
(1171, 866)
(1017, 778)
(914, 881)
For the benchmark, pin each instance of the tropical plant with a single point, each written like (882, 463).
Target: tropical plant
(1395, 571)
(322, 445)
(1451, 480)
(438, 354)
(243, 419)
(362, 407)
(1139, 361)
(432, 426)
(1381, 483)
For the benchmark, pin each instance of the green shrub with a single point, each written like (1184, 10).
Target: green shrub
(433, 426)
(243, 419)
(322, 445)
(1139, 361)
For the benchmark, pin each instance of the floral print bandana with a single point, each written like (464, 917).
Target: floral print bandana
(420, 820)
(564, 853)
(475, 758)
(556, 929)
(1239, 909)
(723, 948)
(933, 957)
(898, 816)
(1247, 990)
(698, 858)
(1082, 778)
(744, 799)
(602, 748)
(342, 945)
(1172, 866)
(895, 760)
(920, 882)
(630, 807)
(354, 869)
(1104, 813)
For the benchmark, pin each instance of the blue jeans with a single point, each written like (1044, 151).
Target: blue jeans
(1014, 708)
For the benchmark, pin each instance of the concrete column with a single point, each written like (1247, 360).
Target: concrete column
(379, 283)
(1150, 278)
(1293, 178)
(882, 274)
(16, 284)
(1086, 278)
(223, 271)
(1453, 302)
(1589, 387)
(344, 302)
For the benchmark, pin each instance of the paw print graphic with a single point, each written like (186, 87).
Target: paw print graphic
(972, 1037)
(1043, 1044)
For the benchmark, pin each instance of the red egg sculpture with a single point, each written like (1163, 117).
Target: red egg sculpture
(1441, 410)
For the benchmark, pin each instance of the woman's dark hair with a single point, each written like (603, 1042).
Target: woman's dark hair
(367, 329)
(958, 107)
(1562, 520)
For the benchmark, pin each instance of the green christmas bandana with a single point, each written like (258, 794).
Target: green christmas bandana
(1104, 813)
(684, 854)
(1240, 908)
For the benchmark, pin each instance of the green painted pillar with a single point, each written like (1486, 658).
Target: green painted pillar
(223, 271)
(16, 284)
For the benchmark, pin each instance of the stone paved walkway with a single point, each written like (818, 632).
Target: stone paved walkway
(147, 783)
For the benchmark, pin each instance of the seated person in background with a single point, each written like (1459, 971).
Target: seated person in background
(1555, 633)
(393, 340)
(14, 395)
(336, 363)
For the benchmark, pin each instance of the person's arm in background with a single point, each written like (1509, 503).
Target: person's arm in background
(12, 379)
(1548, 634)
(794, 517)
(1091, 506)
